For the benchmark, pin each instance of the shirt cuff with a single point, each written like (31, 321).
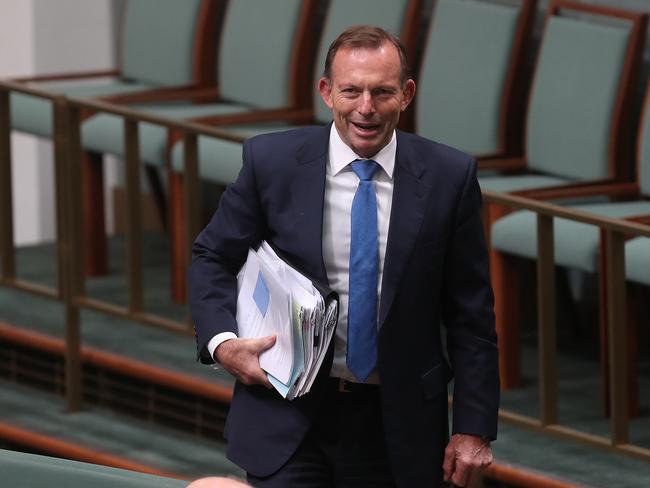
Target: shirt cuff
(218, 339)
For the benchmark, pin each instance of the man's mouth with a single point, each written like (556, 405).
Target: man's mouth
(365, 127)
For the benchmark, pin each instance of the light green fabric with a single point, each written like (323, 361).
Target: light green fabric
(518, 182)
(573, 97)
(220, 160)
(388, 14)
(644, 151)
(158, 41)
(255, 53)
(461, 82)
(20, 470)
(576, 244)
(34, 115)
(104, 133)
(637, 260)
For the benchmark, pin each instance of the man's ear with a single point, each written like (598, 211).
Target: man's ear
(408, 93)
(325, 90)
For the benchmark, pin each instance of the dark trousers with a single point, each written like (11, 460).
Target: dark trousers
(344, 449)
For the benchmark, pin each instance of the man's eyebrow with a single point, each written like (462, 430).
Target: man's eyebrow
(387, 88)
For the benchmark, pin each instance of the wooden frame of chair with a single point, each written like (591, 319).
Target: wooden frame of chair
(201, 93)
(621, 127)
(303, 114)
(203, 53)
(632, 191)
(300, 69)
(511, 106)
(203, 74)
(504, 276)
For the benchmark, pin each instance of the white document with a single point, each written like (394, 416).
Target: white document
(275, 299)
(263, 309)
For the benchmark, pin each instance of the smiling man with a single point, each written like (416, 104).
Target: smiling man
(392, 222)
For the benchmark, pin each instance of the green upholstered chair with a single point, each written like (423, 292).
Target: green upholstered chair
(262, 49)
(20, 470)
(165, 47)
(577, 126)
(501, 34)
(471, 80)
(580, 101)
(220, 160)
(263, 53)
(160, 45)
(578, 245)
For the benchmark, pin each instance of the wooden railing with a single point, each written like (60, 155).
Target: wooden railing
(615, 231)
(7, 247)
(71, 289)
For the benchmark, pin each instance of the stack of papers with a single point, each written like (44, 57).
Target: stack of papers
(275, 299)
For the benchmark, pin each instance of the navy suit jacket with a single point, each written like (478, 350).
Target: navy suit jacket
(435, 273)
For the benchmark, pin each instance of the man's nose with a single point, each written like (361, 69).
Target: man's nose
(366, 104)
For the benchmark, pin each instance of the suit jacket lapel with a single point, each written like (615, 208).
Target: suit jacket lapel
(308, 192)
(407, 211)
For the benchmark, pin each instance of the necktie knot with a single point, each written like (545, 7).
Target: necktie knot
(364, 168)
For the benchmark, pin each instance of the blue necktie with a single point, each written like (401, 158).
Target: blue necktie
(364, 258)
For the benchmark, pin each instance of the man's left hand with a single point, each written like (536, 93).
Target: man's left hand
(465, 456)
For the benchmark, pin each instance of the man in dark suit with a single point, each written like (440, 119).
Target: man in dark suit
(392, 222)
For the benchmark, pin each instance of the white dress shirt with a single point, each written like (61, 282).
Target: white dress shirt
(340, 186)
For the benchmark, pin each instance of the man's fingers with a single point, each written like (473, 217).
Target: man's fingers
(263, 343)
(465, 455)
(449, 462)
(461, 471)
(241, 358)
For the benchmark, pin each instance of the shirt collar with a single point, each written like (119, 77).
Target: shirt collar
(340, 154)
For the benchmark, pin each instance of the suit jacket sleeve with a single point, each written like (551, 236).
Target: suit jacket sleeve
(219, 252)
(469, 317)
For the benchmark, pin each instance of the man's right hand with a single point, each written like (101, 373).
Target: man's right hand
(241, 359)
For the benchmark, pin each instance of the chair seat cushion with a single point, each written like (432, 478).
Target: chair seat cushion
(577, 245)
(519, 182)
(221, 160)
(104, 133)
(637, 260)
(21, 470)
(34, 114)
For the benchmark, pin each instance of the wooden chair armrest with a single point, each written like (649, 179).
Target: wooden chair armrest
(291, 115)
(502, 164)
(639, 219)
(67, 76)
(608, 188)
(165, 94)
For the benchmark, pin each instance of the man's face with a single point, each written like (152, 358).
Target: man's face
(366, 96)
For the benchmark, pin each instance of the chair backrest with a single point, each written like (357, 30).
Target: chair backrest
(395, 16)
(263, 45)
(163, 42)
(470, 71)
(580, 99)
(643, 147)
